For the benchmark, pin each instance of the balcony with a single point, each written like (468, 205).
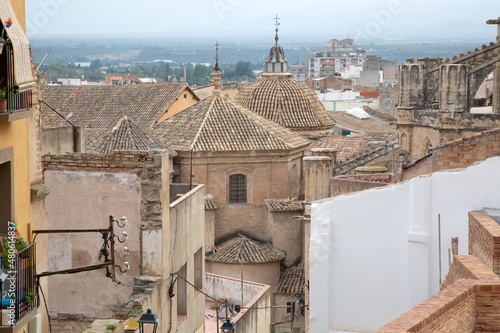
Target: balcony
(18, 284)
(19, 104)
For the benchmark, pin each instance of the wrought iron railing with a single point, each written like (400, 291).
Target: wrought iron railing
(15, 101)
(18, 284)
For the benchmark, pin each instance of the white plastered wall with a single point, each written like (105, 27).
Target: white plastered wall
(374, 254)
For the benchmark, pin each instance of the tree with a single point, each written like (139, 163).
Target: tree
(243, 69)
(95, 64)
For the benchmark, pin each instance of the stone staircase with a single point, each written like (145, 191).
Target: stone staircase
(348, 165)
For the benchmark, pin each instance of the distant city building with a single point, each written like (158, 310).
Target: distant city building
(120, 79)
(299, 73)
(82, 64)
(339, 57)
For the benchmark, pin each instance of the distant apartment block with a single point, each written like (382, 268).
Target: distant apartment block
(340, 56)
(344, 58)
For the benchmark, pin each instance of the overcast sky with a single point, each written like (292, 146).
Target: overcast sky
(365, 18)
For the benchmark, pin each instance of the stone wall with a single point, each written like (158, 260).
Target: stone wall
(467, 267)
(437, 314)
(388, 99)
(269, 175)
(418, 128)
(61, 140)
(484, 239)
(147, 165)
(346, 184)
(459, 153)
(465, 306)
(286, 229)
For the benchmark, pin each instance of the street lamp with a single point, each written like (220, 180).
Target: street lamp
(148, 318)
(228, 327)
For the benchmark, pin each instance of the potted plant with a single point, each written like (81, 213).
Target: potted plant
(20, 243)
(5, 253)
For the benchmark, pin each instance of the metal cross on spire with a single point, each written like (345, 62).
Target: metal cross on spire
(217, 56)
(276, 23)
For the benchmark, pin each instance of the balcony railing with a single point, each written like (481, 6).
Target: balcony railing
(15, 101)
(18, 285)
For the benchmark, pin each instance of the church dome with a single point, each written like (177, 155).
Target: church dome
(287, 102)
(278, 97)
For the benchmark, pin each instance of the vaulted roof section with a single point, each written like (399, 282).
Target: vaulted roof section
(126, 135)
(291, 281)
(286, 102)
(247, 251)
(216, 124)
(102, 106)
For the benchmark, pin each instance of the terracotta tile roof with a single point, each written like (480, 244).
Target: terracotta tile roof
(283, 205)
(246, 250)
(348, 146)
(215, 124)
(286, 102)
(126, 135)
(291, 280)
(210, 204)
(102, 106)
(370, 125)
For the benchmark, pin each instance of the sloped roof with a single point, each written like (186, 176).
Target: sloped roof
(275, 205)
(210, 204)
(247, 251)
(102, 106)
(291, 281)
(348, 146)
(286, 102)
(215, 124)
(126, 135)
(369, 125)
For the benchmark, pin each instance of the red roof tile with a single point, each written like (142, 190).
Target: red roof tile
(244, 250)
(215, 124)
(286, 102)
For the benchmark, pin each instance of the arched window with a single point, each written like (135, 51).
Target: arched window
(237, 188)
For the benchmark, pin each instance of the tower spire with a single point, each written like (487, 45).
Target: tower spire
(276, 23)
(216, 75)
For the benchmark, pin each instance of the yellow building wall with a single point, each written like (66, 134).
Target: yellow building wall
(20, 10)
(16, 134)
(180, 104)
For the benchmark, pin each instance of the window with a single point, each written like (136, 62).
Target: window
(237, 189)
(185, 96)
(181, 295)
(198, 269)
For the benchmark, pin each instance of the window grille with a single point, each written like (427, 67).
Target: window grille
(238, 189)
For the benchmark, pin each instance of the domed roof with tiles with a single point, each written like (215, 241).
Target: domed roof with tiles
(215, 124)
(278, 97)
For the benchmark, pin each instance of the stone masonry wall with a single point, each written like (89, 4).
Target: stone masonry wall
(450, 310)
(467, 267)
(344, 185)
(459, 154)
(484, 239)
(462, 153)
(147, 165)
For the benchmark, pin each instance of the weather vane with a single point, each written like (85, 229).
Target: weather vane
(217, 56)
(277, 23)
